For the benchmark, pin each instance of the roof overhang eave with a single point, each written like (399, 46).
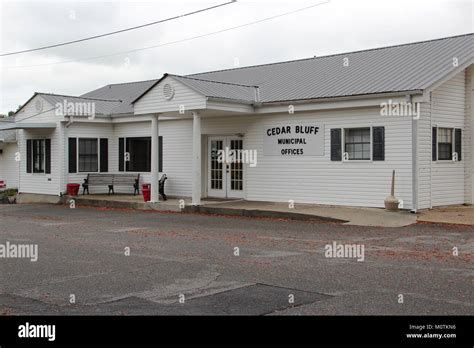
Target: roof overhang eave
(346, 97)
(20, 125)
(230, 100)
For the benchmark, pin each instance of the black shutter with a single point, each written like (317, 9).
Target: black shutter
(47, 156)
(29, 147)
(434, 143)
(104, 155)
(378, 150)
(160, 154)
(336, 153)
(458, 142)
(127, 150)
(72, 155)
(121, 153)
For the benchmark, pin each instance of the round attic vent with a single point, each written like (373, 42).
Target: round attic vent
(168, 91)
(39, 105)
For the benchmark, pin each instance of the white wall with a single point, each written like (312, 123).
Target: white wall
(154, 101)
(313, 179)
(469, 136)
(177, 152)
(305, 179)
(8, 166)
(83, 130)
(448, 109)
(39, 183)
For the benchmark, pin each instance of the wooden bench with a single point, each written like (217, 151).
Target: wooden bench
(111, 180)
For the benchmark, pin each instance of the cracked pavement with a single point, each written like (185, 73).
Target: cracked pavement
(177, 256)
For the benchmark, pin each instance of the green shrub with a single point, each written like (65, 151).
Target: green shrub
(9, 192)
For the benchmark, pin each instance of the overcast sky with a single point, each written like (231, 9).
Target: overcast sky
(336, 27)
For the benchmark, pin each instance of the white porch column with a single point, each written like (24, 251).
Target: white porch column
(196, 172)
(155, 195)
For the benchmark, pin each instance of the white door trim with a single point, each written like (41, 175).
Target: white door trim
(219, 182)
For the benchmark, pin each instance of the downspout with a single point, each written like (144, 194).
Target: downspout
(431, 157)
(414, 163)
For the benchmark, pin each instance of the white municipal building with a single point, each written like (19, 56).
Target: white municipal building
(326, 130)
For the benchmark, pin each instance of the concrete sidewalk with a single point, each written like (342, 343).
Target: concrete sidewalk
(456, 214)
(346, 215)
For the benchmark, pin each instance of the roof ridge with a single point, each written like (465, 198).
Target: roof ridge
(331, 55)
(127, 83)
(79, 97)
(225, 83)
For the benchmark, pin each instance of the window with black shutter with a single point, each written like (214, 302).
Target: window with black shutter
(88, 155)
(138, 150)
(38, 151)
(445, 143)
(357, 143)
(434, 144)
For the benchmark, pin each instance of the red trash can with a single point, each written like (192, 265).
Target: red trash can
(146, 192)
(73, 189)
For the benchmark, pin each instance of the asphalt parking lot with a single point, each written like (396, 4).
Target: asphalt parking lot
(98, 261)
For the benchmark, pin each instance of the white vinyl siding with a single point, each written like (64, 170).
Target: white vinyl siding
(177, 152)
(82, 130)
(313, 179)
(8, 166)
(155, 102)
(469, 137)
(39, 182)
(448, 111)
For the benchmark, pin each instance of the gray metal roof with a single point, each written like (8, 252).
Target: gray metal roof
(222, 90)
(405, 67)
(125, 92)
(102, 106)
(7, 136)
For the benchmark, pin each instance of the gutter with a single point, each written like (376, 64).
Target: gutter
(414, 161)
(347, 97)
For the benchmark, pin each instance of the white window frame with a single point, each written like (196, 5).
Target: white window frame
(98, 155)
(343, 148)
(33, 156)
(453, 140)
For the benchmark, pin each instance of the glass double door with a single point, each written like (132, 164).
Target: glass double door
(225, 168)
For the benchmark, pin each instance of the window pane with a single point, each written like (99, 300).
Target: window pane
(445, 143)
(88, 157)
(38, 156)
(357, 143)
